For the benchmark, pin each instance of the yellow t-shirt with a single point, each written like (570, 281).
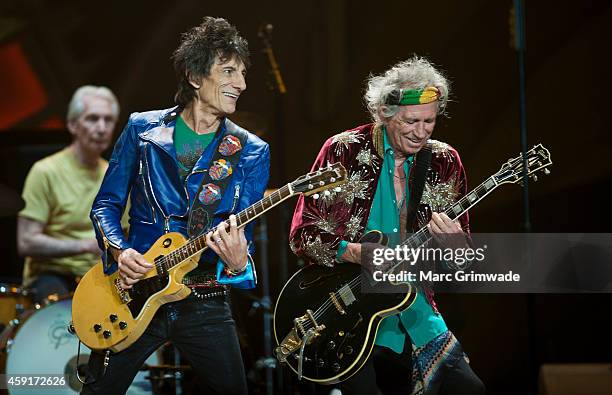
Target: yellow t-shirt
(59, 192)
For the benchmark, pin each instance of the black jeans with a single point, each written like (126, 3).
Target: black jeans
(202, 330)
(387, 372)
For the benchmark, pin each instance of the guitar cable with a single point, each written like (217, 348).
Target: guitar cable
(105, 365)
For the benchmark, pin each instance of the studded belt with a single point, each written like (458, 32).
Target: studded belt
(204, 285)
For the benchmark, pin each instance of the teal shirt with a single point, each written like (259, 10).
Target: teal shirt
(189, 146)
(422, 323)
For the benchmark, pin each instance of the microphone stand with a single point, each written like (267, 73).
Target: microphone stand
(268, 362)
(279, 89)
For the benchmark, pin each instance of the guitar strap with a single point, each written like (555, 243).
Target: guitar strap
(423, 161)
(216, 180)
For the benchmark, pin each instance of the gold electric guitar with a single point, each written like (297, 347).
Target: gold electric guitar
(107, 317)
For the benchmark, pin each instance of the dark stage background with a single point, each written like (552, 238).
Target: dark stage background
(325, 50)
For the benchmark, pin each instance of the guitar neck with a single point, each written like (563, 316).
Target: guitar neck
(422, 236)
(247, 215)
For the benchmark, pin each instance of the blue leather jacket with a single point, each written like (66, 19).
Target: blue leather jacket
(144, 166)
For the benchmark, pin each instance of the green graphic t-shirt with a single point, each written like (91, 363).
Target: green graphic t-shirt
(189, 146)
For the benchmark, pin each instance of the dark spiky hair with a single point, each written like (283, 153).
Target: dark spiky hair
(200, 46)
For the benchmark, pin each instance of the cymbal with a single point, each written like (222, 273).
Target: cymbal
(10, 201)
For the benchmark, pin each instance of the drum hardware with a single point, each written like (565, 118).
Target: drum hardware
(45, 331)
(14, 301)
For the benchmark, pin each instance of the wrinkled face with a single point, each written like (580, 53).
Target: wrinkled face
(219, 91)
(409, 129)
(93, 129)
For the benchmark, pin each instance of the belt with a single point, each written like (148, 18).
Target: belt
(204, 285)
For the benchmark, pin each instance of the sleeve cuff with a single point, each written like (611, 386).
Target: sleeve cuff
(341, 250)
(245, 279)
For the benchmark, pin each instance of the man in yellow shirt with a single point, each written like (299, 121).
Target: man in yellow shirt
(54, 232)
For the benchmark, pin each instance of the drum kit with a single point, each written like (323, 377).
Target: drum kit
(35, 339)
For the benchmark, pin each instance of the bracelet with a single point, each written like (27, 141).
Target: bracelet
(231, 272)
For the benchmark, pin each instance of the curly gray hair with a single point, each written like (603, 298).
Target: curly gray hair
(413, 73)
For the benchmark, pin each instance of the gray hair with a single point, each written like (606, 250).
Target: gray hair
(77, 105)
(413, 73)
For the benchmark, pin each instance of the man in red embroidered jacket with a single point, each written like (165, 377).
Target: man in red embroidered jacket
(416, 344)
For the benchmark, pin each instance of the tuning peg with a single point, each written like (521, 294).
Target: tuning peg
(332, 180)
(321, 183)
(535, 178)
(315, 196)
(546, 171)
(337, 189)
(310, 186)
(327, 193)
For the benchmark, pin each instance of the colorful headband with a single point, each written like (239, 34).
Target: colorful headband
(406, 97)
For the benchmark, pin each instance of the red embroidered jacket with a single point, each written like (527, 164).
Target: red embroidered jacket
(319, 225)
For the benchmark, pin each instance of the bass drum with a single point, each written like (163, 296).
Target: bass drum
(41, 344)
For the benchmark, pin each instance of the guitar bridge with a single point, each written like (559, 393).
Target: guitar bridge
(336, 303)
(299, 336)
(124, 296)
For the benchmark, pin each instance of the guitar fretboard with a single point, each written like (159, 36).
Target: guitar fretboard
(422, 236)
(198, 243)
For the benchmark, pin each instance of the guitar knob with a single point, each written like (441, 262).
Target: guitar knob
(112, 317)
(106, 334)
(348, 350)
(320, 363)
(331, 345)
(546, 171)
(97, 328)
(315, 196)
(335, 366)
(122, 325)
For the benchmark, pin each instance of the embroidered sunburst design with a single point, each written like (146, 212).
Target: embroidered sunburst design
(342, 140)
(354, 188)
(440, 148)
(321, 252)
(365, 157)
(329, 224)
(439, 195)
(353, 224)
(423, 216)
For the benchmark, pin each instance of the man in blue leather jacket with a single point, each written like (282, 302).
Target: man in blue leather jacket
(165, 162)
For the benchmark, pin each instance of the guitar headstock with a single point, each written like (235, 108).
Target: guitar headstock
(322, 179)
(538, 159)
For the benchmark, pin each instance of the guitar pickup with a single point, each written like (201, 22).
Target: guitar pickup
(347, 295)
